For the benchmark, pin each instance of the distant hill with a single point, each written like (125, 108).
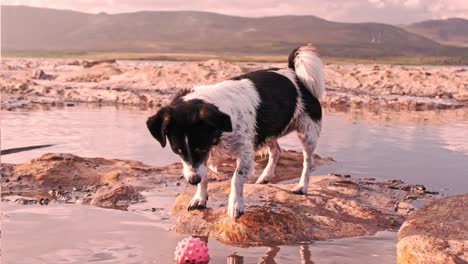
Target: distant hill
(452, 31)
(28, 28)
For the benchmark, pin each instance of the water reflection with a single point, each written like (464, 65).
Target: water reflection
(270, 256)
(235, 259)
(129, 237)
(416, 147)
(304, 253)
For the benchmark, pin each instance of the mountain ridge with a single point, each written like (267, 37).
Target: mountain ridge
(31, 28)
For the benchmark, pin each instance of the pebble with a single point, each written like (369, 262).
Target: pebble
(25, 201)
(404, 208)
(44, 201)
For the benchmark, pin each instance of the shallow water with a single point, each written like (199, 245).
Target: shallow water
(429, 148)
(83, 234)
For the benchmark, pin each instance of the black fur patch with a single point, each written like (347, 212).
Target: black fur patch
(311, 104)
(192, 128)
(278, 97)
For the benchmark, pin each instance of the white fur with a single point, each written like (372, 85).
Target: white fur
(274, 152)
(190, 171)
(201, 196)
(308, 132)
(309, 69)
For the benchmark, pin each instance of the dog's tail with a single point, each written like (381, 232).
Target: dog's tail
(309, 69)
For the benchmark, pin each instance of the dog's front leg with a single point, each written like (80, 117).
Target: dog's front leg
(201, 196)
(243, 170)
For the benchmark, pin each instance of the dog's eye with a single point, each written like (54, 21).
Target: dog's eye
(179, 151)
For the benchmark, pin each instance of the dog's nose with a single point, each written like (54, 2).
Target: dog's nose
(194, 180)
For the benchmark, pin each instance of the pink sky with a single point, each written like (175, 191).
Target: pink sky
(388, 11)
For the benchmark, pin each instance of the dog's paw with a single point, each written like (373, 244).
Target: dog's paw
(235, 210)
(196, 203)
(298, 190)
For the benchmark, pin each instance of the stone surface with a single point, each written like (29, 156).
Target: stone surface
(116, 197)
(436, 233)
(335, 207)
(154, 83)
(111, 182)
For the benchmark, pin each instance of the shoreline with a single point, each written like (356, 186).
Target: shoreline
(29, 83)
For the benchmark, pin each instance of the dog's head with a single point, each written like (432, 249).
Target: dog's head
(192, 128)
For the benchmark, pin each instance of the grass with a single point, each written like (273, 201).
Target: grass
(401, 60)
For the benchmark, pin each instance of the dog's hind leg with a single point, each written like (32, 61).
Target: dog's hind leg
(274, 152)
(308, 134)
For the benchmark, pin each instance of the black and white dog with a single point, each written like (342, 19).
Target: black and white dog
(240, 115)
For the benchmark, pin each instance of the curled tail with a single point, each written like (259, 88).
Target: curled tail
(309, 69)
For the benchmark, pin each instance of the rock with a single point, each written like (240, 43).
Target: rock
(289, 165)
(334, 208)
(97, 73)
(68, 178)
(89, 64)
(39, 74)
(154, 83)
(116, 197)
(436, 233)
(404, 208)
(67, 170)
(25, 201)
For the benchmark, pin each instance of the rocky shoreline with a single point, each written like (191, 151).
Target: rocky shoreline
(337, 206)
(30, 83)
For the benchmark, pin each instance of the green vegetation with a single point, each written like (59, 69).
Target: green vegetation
(401, 60)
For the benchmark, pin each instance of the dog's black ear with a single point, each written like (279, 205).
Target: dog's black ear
(211, 115)
(157, 124)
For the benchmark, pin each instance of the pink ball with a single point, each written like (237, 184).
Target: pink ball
(191, 250)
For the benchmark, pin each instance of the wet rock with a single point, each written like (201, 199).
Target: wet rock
(116, 197)
(44, 201)
(68, 171)
(334, 208)
(404, 208)
(436, 233)
(25, 201)
(68, 178)
(289, 166)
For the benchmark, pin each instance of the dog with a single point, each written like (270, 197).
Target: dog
(240, 115)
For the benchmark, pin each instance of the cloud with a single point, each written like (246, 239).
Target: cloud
(377, 3)
(387, 11)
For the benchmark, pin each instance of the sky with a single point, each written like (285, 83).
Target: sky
(385, 11)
